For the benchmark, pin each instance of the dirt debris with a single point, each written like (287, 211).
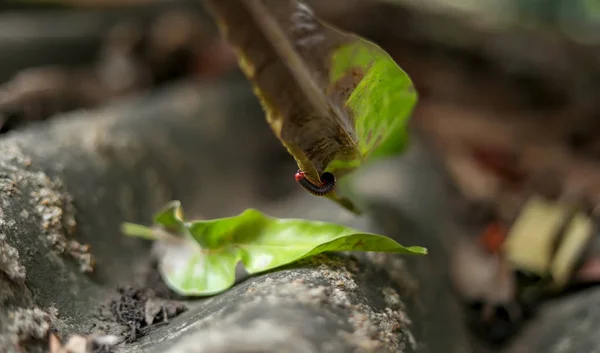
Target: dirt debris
(83, 344)
(138, 310)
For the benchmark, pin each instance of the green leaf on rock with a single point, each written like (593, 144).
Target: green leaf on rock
(334, 100)
(136, 230)
(201, 259)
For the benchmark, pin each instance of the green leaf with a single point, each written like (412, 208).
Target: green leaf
(334, 100)
(381, 102)
(171, 217)
(136, 230)
(202, 260)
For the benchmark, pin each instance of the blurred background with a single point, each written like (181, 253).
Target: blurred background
(508, 102)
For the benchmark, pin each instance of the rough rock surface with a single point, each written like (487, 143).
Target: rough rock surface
(66, 186)
(369, 302)
(69, 183)
(324, 304)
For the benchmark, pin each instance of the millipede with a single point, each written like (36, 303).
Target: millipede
(326, 187)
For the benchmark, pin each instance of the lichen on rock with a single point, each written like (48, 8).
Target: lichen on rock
(9, 261)
(49, 201)
(54, 206)
(374, 328)
(30, 323)
(26, 326)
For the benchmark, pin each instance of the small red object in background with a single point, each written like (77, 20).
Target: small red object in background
(493, 237)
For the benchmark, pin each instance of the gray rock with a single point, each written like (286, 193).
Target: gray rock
(70, 182)
(369, 302)
(324, 304)
(65, 187)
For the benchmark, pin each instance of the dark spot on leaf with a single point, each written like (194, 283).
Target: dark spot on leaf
(358, 74)
(360, 243)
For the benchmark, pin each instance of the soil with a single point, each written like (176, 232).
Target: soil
(139, 308)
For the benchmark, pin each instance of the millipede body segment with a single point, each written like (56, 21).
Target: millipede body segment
(326, 187)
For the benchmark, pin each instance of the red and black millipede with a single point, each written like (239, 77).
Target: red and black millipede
(326, 187)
